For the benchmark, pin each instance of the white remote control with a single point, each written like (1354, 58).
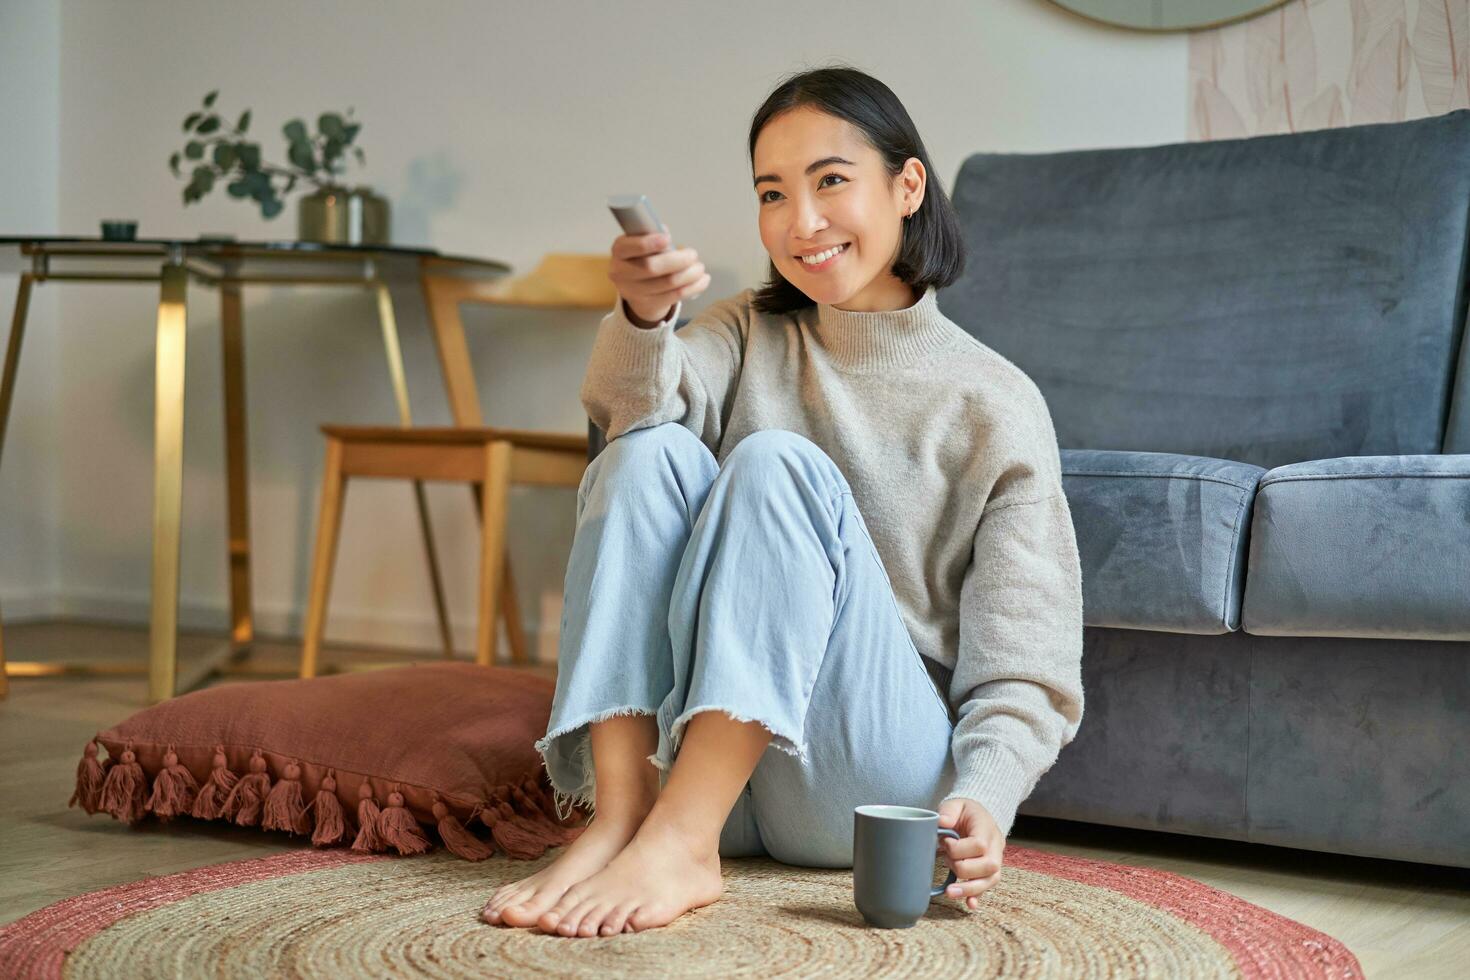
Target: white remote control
(635, 214)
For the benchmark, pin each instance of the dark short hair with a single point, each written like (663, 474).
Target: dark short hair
(932, 250)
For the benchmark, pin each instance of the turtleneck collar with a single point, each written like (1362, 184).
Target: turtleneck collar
(883, 339)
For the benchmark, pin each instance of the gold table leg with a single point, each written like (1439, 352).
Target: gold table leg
(242, 628)
(7, 391)
(168, 482)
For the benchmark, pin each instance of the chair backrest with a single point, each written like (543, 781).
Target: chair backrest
(1268, 300)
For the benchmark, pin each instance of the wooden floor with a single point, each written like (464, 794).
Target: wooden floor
(1399, 919)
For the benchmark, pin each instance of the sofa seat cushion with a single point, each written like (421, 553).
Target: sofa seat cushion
(1161, 537)
(1367, 546)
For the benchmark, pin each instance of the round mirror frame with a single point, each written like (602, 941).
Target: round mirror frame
(1139, 15)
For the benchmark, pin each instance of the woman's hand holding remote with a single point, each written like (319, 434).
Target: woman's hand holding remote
(651, 277)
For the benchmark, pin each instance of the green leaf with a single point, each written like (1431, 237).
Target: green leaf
(209, 125)
(331, 150)
(290, 183)
(204, 177)
(295, 131)
(244, 122)
(330, 125)
(191, 119)
(209, 99)
(193, 149)
(173, 164)
(224, 156)
(270, 207)
(249, 155)
(360, 158)
(301, 155)
(351, 132)
(239, 188)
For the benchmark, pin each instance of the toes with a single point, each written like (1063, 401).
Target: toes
(650, 916)
(525, 911)
(497, 903)
(616, 920)
(508, 895)
(593, 920)
(568, 923)
(552, 917)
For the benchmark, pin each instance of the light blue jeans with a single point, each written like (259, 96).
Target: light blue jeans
(751, 588)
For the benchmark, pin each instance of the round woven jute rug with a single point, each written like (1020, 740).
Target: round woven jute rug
(309, 913)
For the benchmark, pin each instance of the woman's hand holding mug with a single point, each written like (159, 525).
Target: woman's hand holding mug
(651, 277)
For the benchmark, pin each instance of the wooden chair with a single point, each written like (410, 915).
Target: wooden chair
(488, 458)
(493, 458)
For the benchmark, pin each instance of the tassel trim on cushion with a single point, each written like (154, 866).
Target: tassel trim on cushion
(521, 816)
(210, 803)
(332, 826)
(284, 808)
(174, 789)
(90, 775)
(246, 801)
(368, 838)
(399, 828)
(456, 838)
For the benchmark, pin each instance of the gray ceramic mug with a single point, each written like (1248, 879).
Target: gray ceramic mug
(893, 863)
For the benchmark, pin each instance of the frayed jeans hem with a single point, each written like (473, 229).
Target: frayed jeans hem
(578, 763)
(780, 740)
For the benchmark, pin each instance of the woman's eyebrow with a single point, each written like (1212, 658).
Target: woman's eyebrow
(814, 165)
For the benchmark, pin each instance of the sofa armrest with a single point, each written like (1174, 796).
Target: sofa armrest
(1364, 546)
(1161, 537)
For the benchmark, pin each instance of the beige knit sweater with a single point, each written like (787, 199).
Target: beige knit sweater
(953, 462)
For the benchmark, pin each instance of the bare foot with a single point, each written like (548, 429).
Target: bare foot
(520, 903)
(659, 876)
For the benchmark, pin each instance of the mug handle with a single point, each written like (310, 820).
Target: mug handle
(936, 892)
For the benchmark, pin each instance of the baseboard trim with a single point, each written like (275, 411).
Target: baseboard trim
(345, 626)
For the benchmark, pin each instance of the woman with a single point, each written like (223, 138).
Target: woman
(824, 560)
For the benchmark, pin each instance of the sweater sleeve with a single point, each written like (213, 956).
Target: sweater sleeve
(1017, 682)
(643, 376)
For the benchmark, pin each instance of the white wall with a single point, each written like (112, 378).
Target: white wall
(496, 130)
(30, 143)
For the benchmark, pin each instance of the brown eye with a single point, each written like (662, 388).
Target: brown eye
(764, 200)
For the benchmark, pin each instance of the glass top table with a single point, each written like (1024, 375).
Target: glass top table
(443, 281)
(215, 255)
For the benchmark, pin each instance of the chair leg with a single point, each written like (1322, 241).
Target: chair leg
(494, 498)
(511, 613)
(329, 523)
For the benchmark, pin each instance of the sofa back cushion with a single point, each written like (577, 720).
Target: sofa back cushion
(1267, 300)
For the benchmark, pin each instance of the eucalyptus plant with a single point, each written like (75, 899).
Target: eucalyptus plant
(226, 155)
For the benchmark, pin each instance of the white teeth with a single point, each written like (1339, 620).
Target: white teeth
(822, 256)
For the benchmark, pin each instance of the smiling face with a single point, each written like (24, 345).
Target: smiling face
(818, 185)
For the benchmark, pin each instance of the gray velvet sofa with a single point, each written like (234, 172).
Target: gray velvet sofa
(1254, 354)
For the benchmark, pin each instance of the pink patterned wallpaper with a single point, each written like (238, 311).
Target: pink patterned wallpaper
(1310, 64)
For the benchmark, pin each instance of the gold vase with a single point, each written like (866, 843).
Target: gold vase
(343, 216)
